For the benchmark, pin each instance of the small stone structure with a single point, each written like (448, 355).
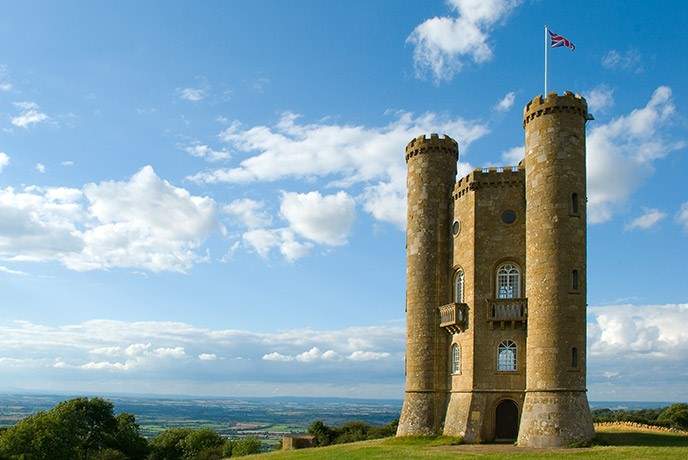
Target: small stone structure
(496, 287)
(297, 442)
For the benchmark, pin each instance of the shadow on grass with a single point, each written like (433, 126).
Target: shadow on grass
(640, 439)
(423, 441)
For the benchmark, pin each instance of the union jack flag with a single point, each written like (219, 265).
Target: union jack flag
(557, 40)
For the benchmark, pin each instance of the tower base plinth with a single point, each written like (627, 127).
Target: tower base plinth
(418, 415)
(555, 419)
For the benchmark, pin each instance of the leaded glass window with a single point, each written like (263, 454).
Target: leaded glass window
(506, 356)
(458, 286)
(508, 281)
(456, 359)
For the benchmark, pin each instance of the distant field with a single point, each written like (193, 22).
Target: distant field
(611, 444)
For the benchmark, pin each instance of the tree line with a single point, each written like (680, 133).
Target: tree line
(88, 429)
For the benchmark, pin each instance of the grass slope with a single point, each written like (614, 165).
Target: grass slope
(610, 444)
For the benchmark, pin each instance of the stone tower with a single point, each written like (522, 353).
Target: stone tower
(556, 411)
(431, 176)
(496, 287)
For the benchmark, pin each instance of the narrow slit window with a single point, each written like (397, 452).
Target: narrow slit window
(574, 203)
(574, 357)
(574, 280)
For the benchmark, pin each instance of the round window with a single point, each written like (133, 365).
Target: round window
(456, 227)
(508, 216)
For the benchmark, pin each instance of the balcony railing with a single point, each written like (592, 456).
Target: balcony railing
(507, 311)
(454, 317)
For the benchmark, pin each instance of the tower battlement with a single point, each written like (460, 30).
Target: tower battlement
(553, 103)
(490, 177)
(434, 143)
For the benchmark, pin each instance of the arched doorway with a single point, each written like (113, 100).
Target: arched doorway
(506, 421)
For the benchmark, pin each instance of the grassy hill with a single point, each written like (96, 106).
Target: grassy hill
(611, 443)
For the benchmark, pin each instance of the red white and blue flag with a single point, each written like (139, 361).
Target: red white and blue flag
(557, 40)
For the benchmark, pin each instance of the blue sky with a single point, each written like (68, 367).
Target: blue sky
(209, 198)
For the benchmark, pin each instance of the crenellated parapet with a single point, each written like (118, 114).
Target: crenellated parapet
(553, 103)
(505, 176)
(432, 144)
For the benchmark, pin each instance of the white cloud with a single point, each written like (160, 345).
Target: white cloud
(67, 163)
(274, 356)
(206, 152)
(107, 351)
(250, 212)
(29, 114)
(621, 153)
(648, 219)
(207, 357)
(322, 219)
(171, 352)
(345, 154)
(682, 216)
(600, 98)
(629, 60)
(263, 241)
(442, 45)
(4, 160)
(513, 155)
(308, 356)
(144, 222)
(368, 355)
(192, 94)
(40, 167)
(10, 271)
(506, 102)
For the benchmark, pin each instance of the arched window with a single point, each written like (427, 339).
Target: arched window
(458, 286)
(455, 359)
(506, 356)
(508, 281)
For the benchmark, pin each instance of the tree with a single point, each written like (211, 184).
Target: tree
(676, 416)
(78, 429)
(199, 440)
(324, 435)
(245, 446)
(169, 444)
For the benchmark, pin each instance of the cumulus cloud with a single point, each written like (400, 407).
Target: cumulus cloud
(322, 219)
(144, 222)
(40, 167)
(443, 45)
(621, 153)
(506, 103)
(513, 155)
(600, 98)
(67, 163)
(629, 60)
(207, 357)
(29, 114)
(192, 94)
(251, 213)
(346, 155)
(206, 152)
(263, 241)
(648, 219)
(4, 160)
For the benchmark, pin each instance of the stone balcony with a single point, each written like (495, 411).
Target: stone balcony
(454, 317)
(507, 312)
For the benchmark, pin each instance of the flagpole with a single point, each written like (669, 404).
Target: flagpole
(546, 52)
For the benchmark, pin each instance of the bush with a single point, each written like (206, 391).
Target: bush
(169, 444)
(324, 435)
(109, 454)
(675, 416)
(349, 432)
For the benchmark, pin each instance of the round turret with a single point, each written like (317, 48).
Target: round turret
(431, 176)
(556, 411)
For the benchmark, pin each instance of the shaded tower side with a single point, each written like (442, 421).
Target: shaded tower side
(556, 411)
(430, 179)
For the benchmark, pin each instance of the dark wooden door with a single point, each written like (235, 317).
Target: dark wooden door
(506, 420)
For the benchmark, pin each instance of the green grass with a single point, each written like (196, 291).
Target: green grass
(609, 445)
